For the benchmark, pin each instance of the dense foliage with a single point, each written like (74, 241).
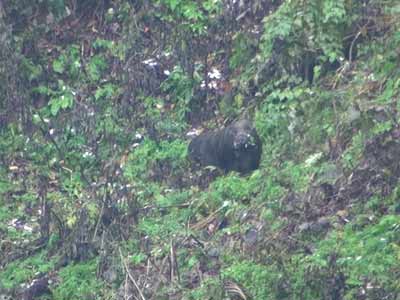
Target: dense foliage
(99, 100)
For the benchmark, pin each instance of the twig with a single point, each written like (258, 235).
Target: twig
(160, 270)
(352, 45)
(130, 275)
(206, 221)
(148, 207)
(100, 216)
(232, 288)
(160, 278)
(174, 272)
(126, 288)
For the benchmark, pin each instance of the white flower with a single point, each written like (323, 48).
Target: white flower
(214, 74)
(213, 85)
(87, 154)
(28, 228)
(150, 62)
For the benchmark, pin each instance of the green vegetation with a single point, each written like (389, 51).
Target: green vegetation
(98, 199)
(22, 271)
(78, 282)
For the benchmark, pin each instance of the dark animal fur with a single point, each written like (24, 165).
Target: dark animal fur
(234, 148)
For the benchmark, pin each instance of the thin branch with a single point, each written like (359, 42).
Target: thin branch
(100, 216)
(161, 271)
(352, 45)
(130, 275)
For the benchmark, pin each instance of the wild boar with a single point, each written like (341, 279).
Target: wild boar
(236, 147)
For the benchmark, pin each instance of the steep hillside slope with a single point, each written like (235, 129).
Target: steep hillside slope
(99, 100)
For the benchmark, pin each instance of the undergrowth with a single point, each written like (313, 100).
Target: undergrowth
(96, 121)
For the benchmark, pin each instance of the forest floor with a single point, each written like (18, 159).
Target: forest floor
(99, 200)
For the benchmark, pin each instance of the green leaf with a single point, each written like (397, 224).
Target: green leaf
(58, 66)
(61, 102)
(173, 4)
(96, 67)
